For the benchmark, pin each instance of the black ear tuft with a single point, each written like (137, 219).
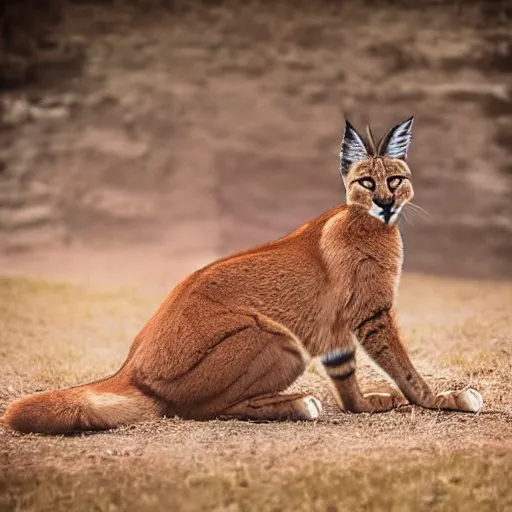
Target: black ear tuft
(352, 149)
(396, 142)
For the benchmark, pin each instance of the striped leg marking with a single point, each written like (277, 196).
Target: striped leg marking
(339, 364)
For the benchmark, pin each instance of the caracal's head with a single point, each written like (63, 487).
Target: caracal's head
(376, 176)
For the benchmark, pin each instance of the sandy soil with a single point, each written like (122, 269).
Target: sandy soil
(65, 330)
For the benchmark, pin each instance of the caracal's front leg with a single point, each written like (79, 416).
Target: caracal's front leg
(340, 366)
(379, 336)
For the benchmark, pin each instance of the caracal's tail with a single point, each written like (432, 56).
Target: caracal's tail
(101, 405)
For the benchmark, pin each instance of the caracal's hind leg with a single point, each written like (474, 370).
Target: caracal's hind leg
(278, 361)
(241, 376)
(294, 407)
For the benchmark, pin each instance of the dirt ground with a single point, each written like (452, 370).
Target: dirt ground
(65, 330)
(187, 134)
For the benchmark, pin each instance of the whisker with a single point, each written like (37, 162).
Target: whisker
(401, 222)
(418, 209)
(412, 213)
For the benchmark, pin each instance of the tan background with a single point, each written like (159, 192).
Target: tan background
(203, 128)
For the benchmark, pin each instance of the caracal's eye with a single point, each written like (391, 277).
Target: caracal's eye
(367, 183)
(393, 183)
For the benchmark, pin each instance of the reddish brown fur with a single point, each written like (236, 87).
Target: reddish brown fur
(233, 335)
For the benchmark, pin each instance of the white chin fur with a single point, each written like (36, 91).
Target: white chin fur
(378, 213)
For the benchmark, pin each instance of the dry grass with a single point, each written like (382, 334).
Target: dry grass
(49, 328)
(449, 483)
(57, 334)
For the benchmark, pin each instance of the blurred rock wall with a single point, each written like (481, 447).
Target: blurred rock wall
(206, 127)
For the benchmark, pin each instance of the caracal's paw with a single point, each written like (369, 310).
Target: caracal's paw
(311, 407)
(382, 402)
(467, 400)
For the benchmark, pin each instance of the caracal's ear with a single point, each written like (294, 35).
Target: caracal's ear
(352, 149)
(396, 142)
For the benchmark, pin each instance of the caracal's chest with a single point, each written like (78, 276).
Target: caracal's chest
(361, 283)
